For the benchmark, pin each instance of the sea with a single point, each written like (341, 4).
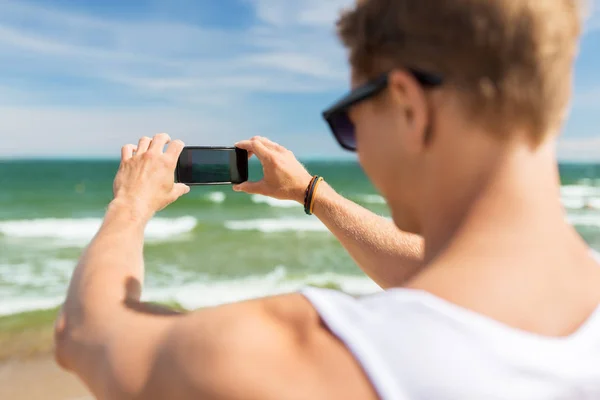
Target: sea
(213, 246)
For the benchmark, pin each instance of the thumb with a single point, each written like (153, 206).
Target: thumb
(250, 187)
(179, 189)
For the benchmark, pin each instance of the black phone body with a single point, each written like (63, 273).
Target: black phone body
(208, 165)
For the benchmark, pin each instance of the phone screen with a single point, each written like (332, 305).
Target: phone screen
(209, 165)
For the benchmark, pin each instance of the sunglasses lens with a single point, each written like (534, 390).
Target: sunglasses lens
(343, 129)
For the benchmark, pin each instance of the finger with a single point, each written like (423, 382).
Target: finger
(179, 189)
(159, 142)
(256, 147)
(175, 148)
(272, 145)
(250, 187)
(269, 143)
(127, 151)
(143, 145)
(262, 152)
(261, 139)
(245, 145)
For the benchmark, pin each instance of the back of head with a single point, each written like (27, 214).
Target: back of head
(509, 61)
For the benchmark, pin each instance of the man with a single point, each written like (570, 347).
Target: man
(454, 114)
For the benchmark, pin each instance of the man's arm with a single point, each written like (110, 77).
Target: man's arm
(106, 285)
(389, 256)
(122, 349)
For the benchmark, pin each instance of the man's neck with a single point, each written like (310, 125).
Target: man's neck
(499, 245)
(504, 200)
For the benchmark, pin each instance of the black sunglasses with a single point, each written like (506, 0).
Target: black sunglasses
(337, 115)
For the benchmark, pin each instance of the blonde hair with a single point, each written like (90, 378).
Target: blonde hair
(510, 61)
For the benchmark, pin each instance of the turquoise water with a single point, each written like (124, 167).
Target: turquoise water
(212, 246)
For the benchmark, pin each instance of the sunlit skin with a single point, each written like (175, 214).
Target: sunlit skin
(486, 210)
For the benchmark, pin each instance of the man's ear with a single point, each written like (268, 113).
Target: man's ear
(410, 101)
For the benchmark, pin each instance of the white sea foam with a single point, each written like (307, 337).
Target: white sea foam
(277, 225)
(260, 199)
(203, 294)
(22, 304)
(49, 274)
(582, 202)
(216, 197)
(576, 197)
(207, 292)
(585, 219)
(164, 228)
(83, 230)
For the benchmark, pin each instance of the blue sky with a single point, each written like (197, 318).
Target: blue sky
(81, 78)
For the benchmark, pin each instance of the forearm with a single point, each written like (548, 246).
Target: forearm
(390, 257)
(111, 270)
(109, 338)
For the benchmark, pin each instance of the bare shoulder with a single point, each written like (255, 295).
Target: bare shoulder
(273, 348)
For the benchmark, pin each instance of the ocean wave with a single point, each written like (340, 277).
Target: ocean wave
(260, 199)
(360, 198)
(585, 219)
(577, 197)
(84, 229)
(589, 182)
(574, 197)
(206, 294)
(276, 225)
(216, 197)
(42, 275)
(24, 304)
(209, 292)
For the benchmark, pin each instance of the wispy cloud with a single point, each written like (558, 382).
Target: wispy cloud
(313, 13)
(102, 131)
(175, 58)
(136, 74)
(76, 81)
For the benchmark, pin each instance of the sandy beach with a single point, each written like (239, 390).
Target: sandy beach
(38, 379)
(27, 367)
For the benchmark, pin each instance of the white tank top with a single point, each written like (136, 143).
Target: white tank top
(414, 345)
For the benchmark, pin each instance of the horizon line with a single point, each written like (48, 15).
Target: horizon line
(349, 158)
(112, 158)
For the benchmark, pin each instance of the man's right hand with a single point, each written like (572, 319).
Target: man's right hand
(285, 178)
(144, 182)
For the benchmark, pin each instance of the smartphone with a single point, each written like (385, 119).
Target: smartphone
(212, 166)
